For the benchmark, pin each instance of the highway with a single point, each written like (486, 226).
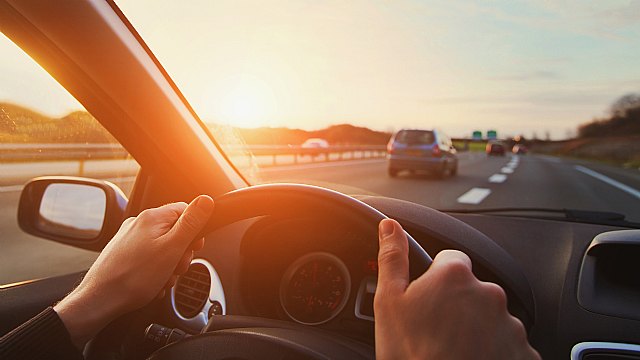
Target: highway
(482, 182)
(485, 182)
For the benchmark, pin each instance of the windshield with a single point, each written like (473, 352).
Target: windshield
(414, 137)
(315, 91)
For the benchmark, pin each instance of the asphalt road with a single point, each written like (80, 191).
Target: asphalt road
(489, 182)
(482, 182)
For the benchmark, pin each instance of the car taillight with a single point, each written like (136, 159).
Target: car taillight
(391, 149)
(436, 151)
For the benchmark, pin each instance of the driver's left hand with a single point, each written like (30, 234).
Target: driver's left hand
(142, 260)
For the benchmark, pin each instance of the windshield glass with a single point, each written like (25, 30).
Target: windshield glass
(315, 91)
(413, 137)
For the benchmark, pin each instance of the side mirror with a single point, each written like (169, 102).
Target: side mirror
(81, 212)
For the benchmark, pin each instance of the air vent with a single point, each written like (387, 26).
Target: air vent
(192, 290)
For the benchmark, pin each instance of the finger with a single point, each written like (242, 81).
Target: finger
(169, 212)
(171, 282)
(161, 294)
(192, 220)
(176, 209)
(452, 266)
(162, 218)
(448, 258)
(393, 257)
(183, 264)
(197, 245)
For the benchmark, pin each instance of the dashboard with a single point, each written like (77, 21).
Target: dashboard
(321, 274)
(298, 270)
(310, 272)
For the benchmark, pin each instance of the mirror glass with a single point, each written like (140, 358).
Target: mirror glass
(72, 210)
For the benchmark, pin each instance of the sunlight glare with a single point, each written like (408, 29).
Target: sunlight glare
(250, 102)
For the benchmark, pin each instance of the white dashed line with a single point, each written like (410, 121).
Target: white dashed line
(497, 178)
(608, 180)
(474, 196)
(507, 170)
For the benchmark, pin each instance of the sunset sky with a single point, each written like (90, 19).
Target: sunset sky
(515, 66)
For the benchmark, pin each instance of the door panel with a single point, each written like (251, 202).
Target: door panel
(19, 303)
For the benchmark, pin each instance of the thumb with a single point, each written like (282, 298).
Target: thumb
(393, 257)
(193, 219)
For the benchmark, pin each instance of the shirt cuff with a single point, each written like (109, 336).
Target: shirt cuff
(42, 337)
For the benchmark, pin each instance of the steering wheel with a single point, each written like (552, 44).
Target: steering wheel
(239, 337)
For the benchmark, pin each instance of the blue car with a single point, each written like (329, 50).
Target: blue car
(422, 150)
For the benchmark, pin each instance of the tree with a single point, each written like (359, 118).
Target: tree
(621, 107)
(623, 121)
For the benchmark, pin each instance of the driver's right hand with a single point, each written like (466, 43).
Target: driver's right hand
(447, 313)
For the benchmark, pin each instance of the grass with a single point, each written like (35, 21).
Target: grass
(473, 145)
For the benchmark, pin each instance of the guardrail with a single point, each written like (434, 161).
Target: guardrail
(299, 154)
(53, 152)
(83, 152)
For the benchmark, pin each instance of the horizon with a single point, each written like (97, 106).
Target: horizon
(209, 124)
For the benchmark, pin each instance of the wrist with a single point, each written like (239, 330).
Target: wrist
(84, 314)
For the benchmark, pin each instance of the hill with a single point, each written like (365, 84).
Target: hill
(614, 139)
(624, 120)
(343, 134)
(21, 125)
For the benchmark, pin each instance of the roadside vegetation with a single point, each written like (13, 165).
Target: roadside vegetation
(21, 125)
(343, 134)
(614, 139)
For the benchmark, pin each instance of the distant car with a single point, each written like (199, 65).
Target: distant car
(422, 150)
(496, 148)
(315, 143)
(519, 149)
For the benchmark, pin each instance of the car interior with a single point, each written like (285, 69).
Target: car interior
(571, 280)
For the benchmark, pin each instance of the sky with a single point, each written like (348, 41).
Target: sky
(521, 67)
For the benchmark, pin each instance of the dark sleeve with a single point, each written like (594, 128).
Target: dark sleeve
(42, 337)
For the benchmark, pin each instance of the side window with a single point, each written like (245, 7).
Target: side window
(45, 131)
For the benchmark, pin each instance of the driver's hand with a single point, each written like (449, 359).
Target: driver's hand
(141, 261)
(447, 313)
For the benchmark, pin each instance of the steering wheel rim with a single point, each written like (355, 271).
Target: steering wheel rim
(283, 200)
(293, 199)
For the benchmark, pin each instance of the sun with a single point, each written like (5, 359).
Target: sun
(249, 102)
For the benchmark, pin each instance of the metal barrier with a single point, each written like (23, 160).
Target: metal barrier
(300, 154)
(57, 152)
(83, 152)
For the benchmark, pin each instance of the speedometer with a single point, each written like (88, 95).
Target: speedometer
(315, 288)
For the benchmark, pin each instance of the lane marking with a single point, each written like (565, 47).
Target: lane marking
(17, 188)
(507, 170)
(497, 178)
(628, 189)
(474, 196)
(318, 165)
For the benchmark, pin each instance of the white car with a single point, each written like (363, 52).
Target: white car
(315, 143)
